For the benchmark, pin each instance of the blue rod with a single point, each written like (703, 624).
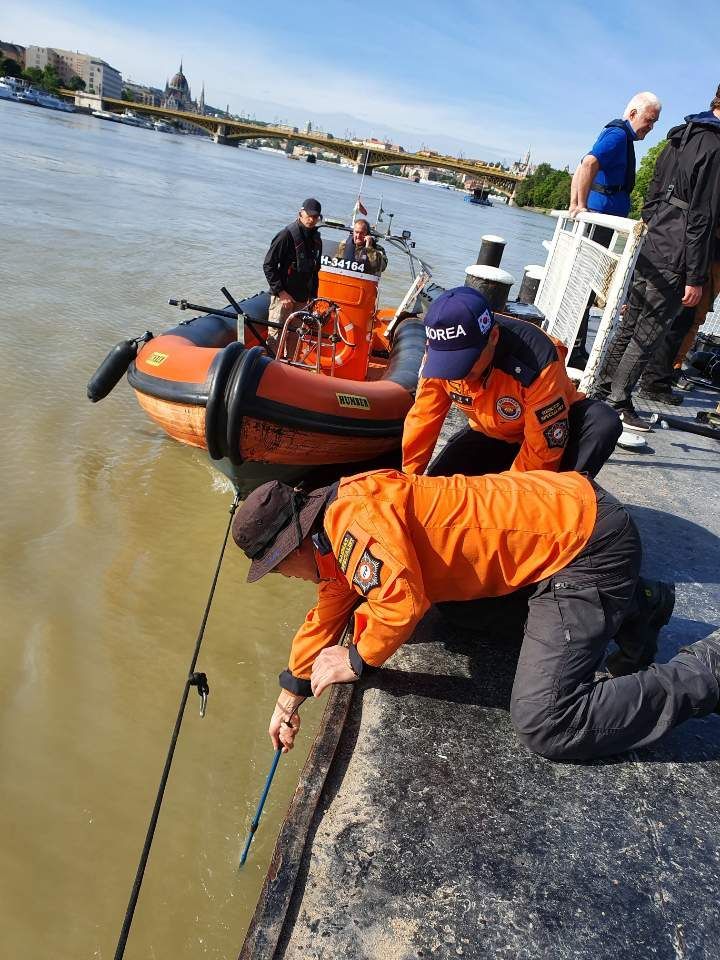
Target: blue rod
(256, 819)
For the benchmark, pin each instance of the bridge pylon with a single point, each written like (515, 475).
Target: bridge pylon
(362, 164)
(221, 136)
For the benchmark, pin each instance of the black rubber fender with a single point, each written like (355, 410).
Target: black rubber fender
(407, 353)
(215, 410)
(234, 396)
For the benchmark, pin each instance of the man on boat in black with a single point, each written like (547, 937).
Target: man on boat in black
(292, 263)
(361, 247)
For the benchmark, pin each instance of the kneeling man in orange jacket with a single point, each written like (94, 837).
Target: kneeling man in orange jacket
(383, 546)
(508, 379)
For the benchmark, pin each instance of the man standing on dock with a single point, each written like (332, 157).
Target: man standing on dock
(293, 261)
(605, 177)
(604, 180)
(383, 546)
(681, 211)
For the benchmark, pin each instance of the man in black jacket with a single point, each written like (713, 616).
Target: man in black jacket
(681, 210)
(292, 263)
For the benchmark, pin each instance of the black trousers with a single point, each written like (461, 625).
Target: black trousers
(660, 372)
(558, 708)
(594, 428)
(654, 301)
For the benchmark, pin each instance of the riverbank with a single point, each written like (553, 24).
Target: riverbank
(435, 833)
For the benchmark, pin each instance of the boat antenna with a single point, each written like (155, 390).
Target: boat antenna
(194, 679)
(358, 202)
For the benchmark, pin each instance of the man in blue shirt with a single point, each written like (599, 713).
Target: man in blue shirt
(604, 181)
(605, 178)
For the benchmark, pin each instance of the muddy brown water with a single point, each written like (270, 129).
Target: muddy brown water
(110, 531)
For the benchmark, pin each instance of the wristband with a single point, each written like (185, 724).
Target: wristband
(356, 673)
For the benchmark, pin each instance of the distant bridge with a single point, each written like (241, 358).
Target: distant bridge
(230, 132)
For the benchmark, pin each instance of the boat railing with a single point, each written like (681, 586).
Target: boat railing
(577, 266)
(304, 335)
(414, 291)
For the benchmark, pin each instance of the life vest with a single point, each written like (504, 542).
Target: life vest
(610, 189)
(308, 250)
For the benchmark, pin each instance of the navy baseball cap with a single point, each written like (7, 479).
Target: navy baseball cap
(312, 206)
(457, 327)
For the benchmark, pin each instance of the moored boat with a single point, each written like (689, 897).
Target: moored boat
(323, 394)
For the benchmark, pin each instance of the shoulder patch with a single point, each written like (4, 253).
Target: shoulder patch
(509, 408)
(461, 399)
(556, 434)
(345, 552)
(550, 411)
(367, 573)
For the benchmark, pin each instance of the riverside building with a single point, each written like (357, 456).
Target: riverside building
(100, 78)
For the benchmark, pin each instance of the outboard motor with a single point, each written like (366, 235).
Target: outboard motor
(113, 367)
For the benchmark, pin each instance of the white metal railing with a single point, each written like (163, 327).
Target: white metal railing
(711, 324)
(577, 265)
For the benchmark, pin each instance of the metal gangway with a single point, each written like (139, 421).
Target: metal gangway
(577, 266)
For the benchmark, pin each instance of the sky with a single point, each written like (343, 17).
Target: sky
(485, 80)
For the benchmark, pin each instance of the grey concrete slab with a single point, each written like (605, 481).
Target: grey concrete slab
(438, 835)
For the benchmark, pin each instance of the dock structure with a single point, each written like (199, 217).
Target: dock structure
(430, 831)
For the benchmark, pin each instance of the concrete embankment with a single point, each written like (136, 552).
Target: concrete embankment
(429, 830)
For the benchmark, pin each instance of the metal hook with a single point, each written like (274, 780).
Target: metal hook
(200, 681)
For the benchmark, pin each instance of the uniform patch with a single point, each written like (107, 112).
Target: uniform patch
(509, 408)
(367, 573)
(551, 410)
(345, 552)
(461, 399)
(485, 321)
(557, 433)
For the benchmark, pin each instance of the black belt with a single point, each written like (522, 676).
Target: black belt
(608, 191)
(677, 202)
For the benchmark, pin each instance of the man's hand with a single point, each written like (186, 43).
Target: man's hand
(285, 297)
(692, 296)
(285, 722)
(575, 209)
(332, 665)
(369, 242)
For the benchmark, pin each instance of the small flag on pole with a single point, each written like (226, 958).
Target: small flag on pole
(359, 208)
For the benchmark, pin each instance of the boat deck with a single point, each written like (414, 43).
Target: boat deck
(435, 833)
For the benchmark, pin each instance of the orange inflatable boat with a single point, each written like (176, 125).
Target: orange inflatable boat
(323, 395)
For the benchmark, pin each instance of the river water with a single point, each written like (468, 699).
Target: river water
(110, 532)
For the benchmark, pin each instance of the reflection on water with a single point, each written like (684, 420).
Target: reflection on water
(110, 531)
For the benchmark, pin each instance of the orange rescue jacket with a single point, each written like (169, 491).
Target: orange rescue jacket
(399, 543)
(525, 398)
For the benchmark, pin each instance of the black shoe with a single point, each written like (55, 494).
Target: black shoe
(659, 601)
(660, 396)
(684, 384)
(637, 637)
(631, 421)
(708, 653)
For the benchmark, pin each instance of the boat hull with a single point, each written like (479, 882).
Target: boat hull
(259, 418)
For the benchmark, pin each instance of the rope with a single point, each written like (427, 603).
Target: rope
(194, 679)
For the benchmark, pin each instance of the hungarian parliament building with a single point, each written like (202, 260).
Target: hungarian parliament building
(175, 96)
